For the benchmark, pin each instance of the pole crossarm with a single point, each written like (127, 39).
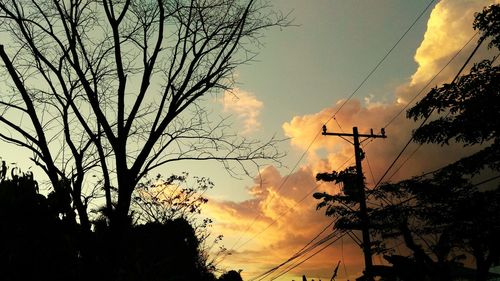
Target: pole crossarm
(371, 135)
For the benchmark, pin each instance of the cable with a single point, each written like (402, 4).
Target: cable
(338, 110)
(420, 145)
(342, 256)
(370, 168)
(305, 249)
(308, 258)
(430, 81)
(404, 162)
(382, 60)
(333, 117)
(404, 148)
(300, 253)
(317, 244)
(289, 209)
(429, 115)
(425, 120)
(280, 216)
(486, 181)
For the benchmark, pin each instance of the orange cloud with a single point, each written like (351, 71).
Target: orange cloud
(246, 107)
(283, 208)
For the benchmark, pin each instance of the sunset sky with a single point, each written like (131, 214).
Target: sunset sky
(303, 75)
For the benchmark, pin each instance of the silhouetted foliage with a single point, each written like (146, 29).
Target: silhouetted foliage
(444, 217)
(38, 243)
(342, 205)
(468, 113)
(153, 251)
(160, 200)
(230, 276)
(35, 244)
(440, 220)
(468, 109)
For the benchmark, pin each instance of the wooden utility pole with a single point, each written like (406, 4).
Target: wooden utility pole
(363, 214)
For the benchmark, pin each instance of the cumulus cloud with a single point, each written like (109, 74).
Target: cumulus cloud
(281, 205)
(245, 106)
(284, 208)
(448, 29)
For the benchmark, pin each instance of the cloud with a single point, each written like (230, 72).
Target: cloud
(245, 106)
(449, 27)
(284, 208)
(281, 217)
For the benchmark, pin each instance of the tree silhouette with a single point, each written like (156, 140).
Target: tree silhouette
(468, 113)
(231, 275)
(162, 200)
(445, 217)
(116, 88)
(460, 216)
(35, 244)
(38, 243)
(468, 109)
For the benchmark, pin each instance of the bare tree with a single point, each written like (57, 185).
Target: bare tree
(115, 87)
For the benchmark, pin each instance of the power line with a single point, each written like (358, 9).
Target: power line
(342, 256)
(486, 181)
(338, 110)
(404, 148)
(420, 145)
(308, 258)
(350, 97)
(411, 139)
(300, 252)
(291, 208)
(383, 59)
(280, 216)
(304, 250)
(429, 82)
(430, 113)
(317, 244)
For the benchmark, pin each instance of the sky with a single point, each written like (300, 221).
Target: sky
(302, 76)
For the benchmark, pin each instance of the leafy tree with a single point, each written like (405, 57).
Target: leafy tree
(446, 213)
(468, 109)
(159, 201)
(443, 217)
(440, 219)
(116, 88)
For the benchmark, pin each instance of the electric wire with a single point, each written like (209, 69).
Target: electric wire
(405, 147)
(430, 113)
(429, 82)
(421, 144)
(338, 110)
(265, 274)
(308, 258)
(291, 208)
(342, 257)
(382, 60)
(303, 252)
(317, 244)
(334, 117)
(306, 248)
(411, 139)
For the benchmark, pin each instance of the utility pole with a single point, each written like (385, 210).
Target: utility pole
(363, 214)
